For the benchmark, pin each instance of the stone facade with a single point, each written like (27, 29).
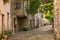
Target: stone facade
(7, 15)
(57, 18)
(3, 11)
(20, 13)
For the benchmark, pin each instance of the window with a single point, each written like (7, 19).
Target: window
(17, 5)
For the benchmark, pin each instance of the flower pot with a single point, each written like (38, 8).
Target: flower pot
(4, 37)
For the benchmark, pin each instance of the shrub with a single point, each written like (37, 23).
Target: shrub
(36, 26)
(6, 32)
(25, 28)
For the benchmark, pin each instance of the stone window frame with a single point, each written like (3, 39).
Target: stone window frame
(17, 5)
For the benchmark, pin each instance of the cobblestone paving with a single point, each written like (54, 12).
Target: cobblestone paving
(41, 33)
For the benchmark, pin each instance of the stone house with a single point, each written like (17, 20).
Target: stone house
(4, 15)
(19, 10)
(7, 16)
(12, 15)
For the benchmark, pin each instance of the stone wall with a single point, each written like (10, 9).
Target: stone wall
(57, 18)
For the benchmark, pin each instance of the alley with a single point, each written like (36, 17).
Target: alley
(41, 33)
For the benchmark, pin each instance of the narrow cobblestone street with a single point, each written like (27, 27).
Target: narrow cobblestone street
(41, 33)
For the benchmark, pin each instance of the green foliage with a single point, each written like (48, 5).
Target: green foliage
(6, 32)
(49, 16)
(33, 6)
(47, 9)
(25, 28)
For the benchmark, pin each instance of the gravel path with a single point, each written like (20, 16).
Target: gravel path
(41, 33)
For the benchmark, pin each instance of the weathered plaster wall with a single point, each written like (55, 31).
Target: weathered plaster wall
(7, 20)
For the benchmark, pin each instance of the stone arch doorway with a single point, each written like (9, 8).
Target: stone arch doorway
(21, 20)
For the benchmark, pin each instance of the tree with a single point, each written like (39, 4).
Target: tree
(47, 9)
(49, 16)
(32, 8)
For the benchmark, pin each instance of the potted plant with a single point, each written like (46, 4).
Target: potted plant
(6, 34)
